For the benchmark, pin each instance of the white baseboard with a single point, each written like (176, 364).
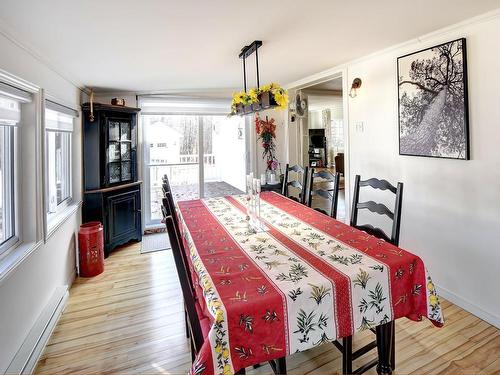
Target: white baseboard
(29, 353)
(473, 309)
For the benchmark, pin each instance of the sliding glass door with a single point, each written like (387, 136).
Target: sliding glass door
(224, 156)
(202, 155)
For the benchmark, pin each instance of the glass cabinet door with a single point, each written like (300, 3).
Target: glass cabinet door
(119, 151)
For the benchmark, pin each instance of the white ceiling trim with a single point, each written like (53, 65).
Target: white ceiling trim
(8, 33)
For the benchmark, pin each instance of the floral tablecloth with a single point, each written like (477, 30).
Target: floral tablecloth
(308, 280)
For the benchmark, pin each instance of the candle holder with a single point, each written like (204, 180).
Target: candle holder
(253, 205)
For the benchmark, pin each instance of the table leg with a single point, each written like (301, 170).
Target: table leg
(384, 340)
(347, 355)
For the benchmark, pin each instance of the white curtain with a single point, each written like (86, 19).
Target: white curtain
(11, 99)
(179, 105)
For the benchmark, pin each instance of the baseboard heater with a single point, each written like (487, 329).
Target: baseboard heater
(29, 353)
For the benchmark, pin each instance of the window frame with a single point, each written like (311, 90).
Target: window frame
(13, 240)
(52, 220)
(66, 202)
(23, 240)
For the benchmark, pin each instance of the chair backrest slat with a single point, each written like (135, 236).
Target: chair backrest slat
(378, 208)
(300, 185)
(378, 184)
(330, 194)
(321, 193)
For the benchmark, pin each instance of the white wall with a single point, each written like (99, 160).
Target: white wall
(315, 120)
(229, 152)
(451, 208)
(28, 288)
(256, 145)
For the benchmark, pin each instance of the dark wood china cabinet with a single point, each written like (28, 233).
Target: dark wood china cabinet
(112, 191)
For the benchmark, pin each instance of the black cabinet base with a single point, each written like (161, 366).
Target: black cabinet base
(119, 210)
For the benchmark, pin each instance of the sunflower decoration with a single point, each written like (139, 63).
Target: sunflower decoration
(280, 94)
(254, 94)
(281, 98)
(243, 98)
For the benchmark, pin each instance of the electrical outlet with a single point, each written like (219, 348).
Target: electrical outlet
(360, 126)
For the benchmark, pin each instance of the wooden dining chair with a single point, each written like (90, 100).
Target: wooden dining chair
(330, 194)
(378, 208)
(198, 325)
(300, 185)
(166, 188)
(346, 347)
(168, 209)
(168, 203)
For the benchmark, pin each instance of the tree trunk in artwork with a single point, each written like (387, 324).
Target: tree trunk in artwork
(423, 140)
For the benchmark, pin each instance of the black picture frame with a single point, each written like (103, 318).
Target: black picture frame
(449, 139)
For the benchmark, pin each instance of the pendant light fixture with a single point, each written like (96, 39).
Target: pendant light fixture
(258, 98)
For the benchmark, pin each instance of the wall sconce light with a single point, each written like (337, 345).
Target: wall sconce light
(356, 84)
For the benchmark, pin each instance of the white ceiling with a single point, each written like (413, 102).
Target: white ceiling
(320, 102)
(333, 84)
(133, 45)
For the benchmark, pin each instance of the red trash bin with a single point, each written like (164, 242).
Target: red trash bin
(91, 244)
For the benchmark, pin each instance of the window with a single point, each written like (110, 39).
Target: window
(10, 116)
(58, 133)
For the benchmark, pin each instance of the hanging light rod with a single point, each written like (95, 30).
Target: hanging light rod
(248, 50)
(258, 98)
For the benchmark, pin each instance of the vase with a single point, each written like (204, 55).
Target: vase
(240, 109)
(266, 100)
(271, 177)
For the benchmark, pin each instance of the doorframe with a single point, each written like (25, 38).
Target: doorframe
(315, 79)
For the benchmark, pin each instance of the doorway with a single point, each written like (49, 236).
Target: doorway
(203, 156)
(321, 134)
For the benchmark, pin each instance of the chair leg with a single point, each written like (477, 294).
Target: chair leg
(241, 371)
(281, 366)
(393, 346)
(188, 335)
(193, 351)
(347, 355)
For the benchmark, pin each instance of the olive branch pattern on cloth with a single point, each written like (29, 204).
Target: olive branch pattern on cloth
(344, 258)
(287, 270)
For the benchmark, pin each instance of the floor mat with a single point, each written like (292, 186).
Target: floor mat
(155, 242)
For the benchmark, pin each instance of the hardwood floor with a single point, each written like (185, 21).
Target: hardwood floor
(130, 320)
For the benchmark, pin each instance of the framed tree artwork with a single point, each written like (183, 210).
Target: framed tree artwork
(433, 102)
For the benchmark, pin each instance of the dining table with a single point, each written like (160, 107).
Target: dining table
(302, 281)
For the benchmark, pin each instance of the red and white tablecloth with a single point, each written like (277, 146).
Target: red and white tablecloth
(308, 280)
